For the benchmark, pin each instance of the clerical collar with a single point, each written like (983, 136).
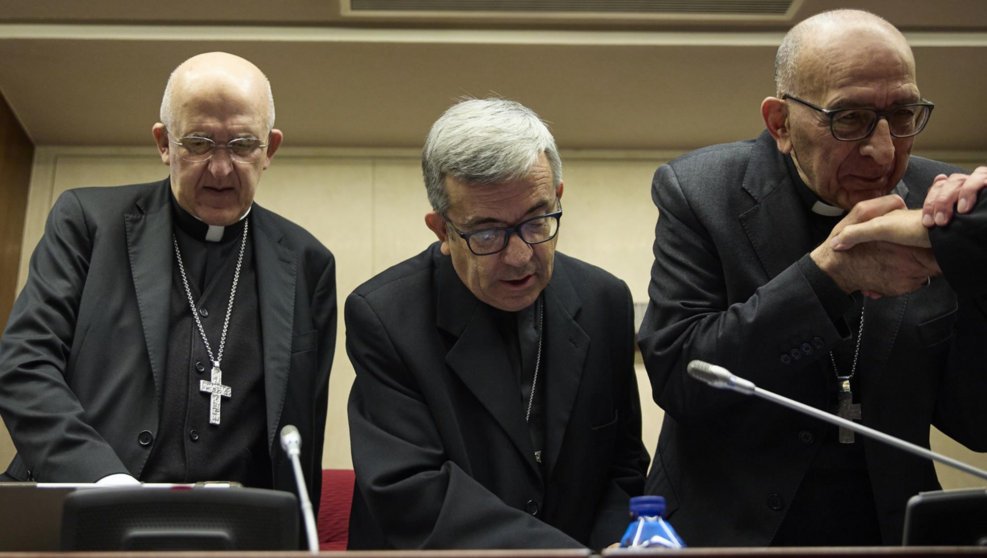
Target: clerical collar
(812, 201)
(199, 230)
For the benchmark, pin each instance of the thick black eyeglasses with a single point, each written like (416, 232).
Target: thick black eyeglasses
(857, 123)
(536, 230)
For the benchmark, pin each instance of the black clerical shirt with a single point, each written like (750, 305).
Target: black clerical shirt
(188, 448)
(520, 332)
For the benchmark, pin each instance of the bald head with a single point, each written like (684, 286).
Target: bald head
(218, 75)
(813, 42)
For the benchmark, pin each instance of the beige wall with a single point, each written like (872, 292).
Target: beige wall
(367, 207)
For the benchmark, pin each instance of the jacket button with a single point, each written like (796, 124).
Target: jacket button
(145, 438)
(806, 349)
(193, 435)
(531, 507)
(818, 342)
(785, 359)
(806, 437)
(796, 354)
(199, 367)
(203, 312)
(775, 502)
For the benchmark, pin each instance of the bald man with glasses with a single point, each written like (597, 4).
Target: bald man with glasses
(168, 331)
(749, 274)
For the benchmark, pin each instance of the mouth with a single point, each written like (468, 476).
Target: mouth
(519, 284)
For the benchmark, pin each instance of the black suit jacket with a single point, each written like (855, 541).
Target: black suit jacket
(726, 288)
(442, 454)
(82, 358)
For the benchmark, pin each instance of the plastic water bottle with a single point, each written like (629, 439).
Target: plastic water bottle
(648, 529)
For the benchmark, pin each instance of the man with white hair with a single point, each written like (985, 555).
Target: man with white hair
(495, 402)
(749, 275)
(167, 331)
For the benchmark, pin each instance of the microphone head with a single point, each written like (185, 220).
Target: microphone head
(707, 373)
(718, 377)
(290, 438)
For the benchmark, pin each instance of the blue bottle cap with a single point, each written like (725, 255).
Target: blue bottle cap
(648, 505)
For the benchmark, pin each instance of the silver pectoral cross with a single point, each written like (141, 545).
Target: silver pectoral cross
(846, 408)
(216, 390)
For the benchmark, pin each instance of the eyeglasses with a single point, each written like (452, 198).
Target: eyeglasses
(485, 242)
(196, 149)
(857, 123)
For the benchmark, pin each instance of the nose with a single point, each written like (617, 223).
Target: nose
(518, 252)
(221, 163)
(879, 145)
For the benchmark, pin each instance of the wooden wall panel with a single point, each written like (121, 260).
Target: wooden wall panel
(16, 158)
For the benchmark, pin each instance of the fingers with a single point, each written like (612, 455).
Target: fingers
(931, 198)
(957, 191)
(970, 189)
(880, 269)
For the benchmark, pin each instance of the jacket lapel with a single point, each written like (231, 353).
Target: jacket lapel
(149, 248)
(566, 347)
(777, 207)
(276, 268)
(478, 359)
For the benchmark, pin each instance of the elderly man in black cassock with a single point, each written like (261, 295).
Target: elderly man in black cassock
(167, 331)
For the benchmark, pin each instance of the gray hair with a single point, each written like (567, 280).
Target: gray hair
(787, 61)
(167, 113)
(485, 141)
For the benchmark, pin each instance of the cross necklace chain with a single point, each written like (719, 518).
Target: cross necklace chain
(845, 407)
(534, 380)
(214, 387)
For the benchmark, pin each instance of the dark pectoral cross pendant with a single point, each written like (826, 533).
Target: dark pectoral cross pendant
(847, 409)
(216, 390)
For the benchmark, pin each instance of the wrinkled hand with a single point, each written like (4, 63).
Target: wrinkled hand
(877, 268)
(959, 190)
(901, 226)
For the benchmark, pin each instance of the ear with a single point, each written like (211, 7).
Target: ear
(161, 138)
(272, 145)
(437, 223)
(774, 111)
(558, 191)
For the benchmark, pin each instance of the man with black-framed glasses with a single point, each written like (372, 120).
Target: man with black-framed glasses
(749, 274)
(169, 330)
(495, 402)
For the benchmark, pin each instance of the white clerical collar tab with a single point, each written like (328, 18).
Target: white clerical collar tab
(215, 233)
(821, 208)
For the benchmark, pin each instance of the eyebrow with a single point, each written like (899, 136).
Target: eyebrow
(843, 104)
(210, 135)
(476, 221)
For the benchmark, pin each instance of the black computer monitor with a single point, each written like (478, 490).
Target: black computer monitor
(200, 518)
(947, 518)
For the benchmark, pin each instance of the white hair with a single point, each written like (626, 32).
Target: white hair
(167, 113)
(485, 141)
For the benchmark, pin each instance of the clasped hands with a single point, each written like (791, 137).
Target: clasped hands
(881, 248)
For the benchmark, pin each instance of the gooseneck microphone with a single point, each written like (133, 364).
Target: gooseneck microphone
(721, 378)
(291, 442)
